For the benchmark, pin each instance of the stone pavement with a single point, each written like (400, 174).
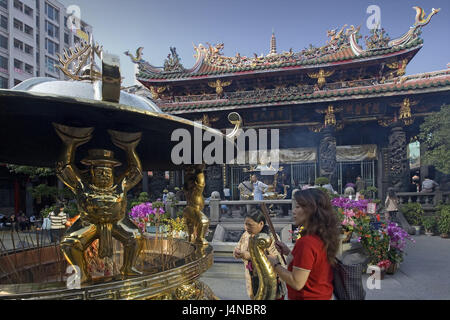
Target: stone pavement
(423, 275)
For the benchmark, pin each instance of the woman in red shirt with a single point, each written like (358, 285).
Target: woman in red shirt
(309, 275)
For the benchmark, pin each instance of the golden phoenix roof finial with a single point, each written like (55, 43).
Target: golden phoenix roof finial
(79, 63)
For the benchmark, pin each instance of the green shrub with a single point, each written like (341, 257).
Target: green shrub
(320, 181)
(142, 198)
(443, 221)
(369, 192)
(429, 223)
(71, 209)
(413, 213)
(46, 211)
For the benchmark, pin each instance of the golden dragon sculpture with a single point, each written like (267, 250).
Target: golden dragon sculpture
(267, 289)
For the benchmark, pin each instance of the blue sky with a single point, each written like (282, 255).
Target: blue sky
(245, 26)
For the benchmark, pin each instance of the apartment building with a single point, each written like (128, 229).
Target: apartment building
(32, 33)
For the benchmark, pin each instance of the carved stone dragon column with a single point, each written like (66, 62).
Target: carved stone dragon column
(398, 160)
(327, 154)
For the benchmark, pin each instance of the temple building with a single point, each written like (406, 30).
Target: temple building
(343, 109)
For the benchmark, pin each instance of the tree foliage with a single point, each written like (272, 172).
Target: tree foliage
(435, 133)
(33, 172)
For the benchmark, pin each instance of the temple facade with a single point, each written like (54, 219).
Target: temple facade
(343, 110)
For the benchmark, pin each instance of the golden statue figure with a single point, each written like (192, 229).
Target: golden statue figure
(196, 221)
(101, 199)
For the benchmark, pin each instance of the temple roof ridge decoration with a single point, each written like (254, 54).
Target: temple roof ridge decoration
(435, 81)
(343, 45)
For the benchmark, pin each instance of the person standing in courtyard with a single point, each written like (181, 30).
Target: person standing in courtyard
(360, 184)
(245, 191)
(255, 223)
(259, 188)
(391, 205)
(429, 185)
(309, 275)
(58, 221)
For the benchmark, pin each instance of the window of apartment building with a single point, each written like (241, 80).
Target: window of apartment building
(37, 23)
(28, 30)
(29, 68)
(51, 12)
(3, 42)
(66, 38)
(50, 64)
(28, 11)
(18, 64)
(37, 39)
(76, 40)
(28, 49)
(4, 22)
(18, 24)
(65, 22)
(51, 46)
(3, 83)
(37, 58)
(4, 4)
(18, 5)
(52, 30)
(4, 63)
(18, 44)
(16, 82)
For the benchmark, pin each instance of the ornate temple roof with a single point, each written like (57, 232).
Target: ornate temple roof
(413, 84)
(343, 47)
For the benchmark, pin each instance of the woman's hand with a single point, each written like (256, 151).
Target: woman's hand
(282, 248)
(272, 260)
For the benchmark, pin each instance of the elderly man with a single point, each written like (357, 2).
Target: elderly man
(245, 193)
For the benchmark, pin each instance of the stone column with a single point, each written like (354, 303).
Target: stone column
(398, 160)
(214, 207)
(214, 177)
(327, 155)
(29, 199)
(158, 183)
(145, 181)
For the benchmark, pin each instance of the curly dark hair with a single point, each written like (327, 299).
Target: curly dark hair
(321, 219)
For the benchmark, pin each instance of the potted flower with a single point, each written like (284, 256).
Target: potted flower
(443, 222)
(429, 223)
(397, 244)
(413, 213)
(148, 216)
(176, 228)
(384, 266)
(348, 210)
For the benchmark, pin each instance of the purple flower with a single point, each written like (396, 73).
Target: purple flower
(398, 236)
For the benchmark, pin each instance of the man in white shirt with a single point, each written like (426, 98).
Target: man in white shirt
(259, 188)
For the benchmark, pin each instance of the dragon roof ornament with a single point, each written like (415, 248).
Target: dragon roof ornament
(339, 40)
(380, 40)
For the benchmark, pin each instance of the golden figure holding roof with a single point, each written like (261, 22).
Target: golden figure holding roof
(101, 198)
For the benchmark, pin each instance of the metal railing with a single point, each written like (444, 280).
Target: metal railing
(213, 206)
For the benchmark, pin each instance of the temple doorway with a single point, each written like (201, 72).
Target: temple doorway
(348, 171)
